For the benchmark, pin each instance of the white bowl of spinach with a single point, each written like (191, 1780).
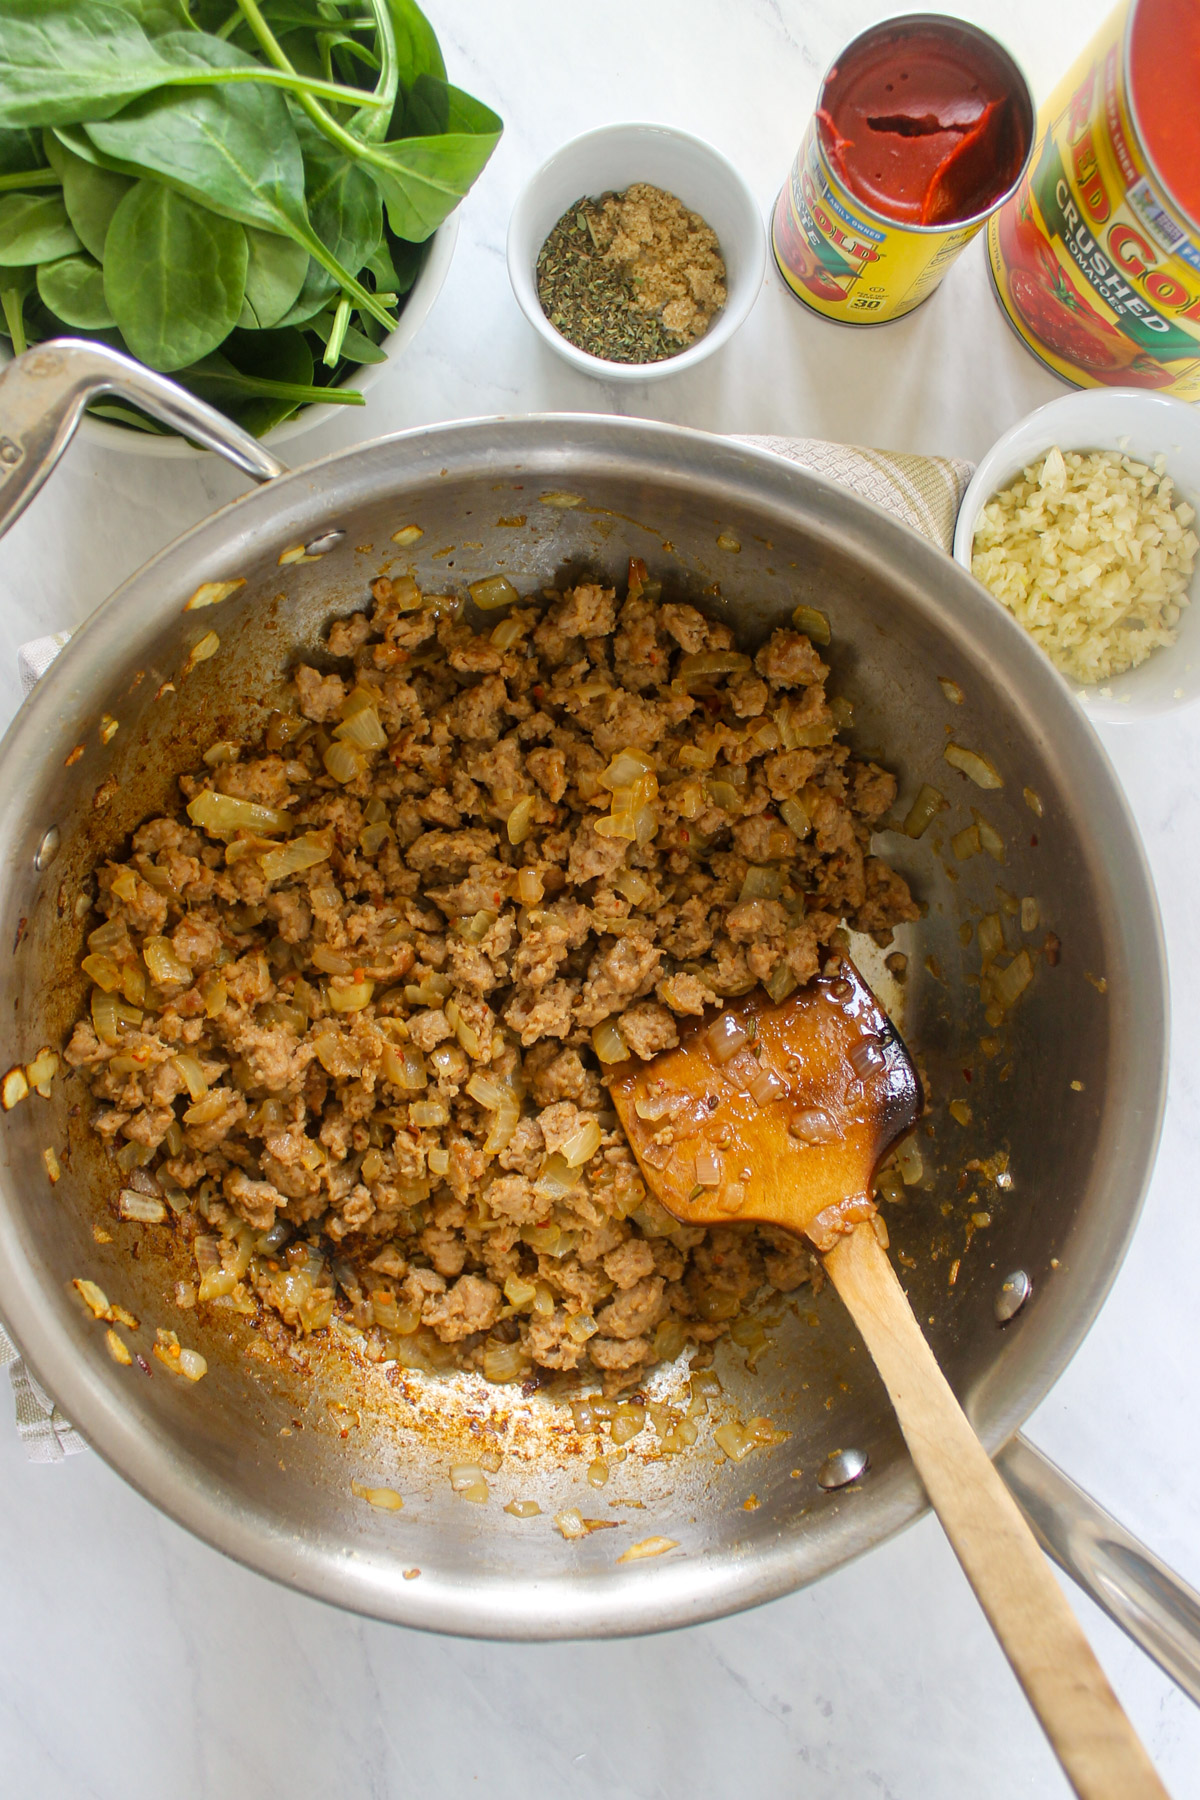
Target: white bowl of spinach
(252, 196)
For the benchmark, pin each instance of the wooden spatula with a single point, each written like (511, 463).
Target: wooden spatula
(780, 1115)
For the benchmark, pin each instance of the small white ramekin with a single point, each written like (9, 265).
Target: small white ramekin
(608, 160)
(1141, 424)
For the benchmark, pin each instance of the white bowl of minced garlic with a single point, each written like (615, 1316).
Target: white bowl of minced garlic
(1081, 520)
(636, 251)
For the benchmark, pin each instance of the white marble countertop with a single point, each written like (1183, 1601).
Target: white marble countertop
(134, 1661)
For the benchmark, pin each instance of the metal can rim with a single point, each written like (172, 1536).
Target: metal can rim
(951, 27)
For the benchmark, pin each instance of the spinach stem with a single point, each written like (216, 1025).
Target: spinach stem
(31, 178)
(337, 334)
(13, 303)
(324, 121)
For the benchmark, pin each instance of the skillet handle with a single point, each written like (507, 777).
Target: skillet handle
(44, 391)
(1160, 1612)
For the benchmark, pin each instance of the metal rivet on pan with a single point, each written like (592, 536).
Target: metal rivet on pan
(326, 541)
(47, 850)
(1014, 1292)
(841, 1467)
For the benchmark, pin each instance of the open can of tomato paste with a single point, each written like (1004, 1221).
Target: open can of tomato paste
(1096, 257)
(924, 125)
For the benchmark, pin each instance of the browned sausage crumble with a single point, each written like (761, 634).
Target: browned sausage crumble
(354, 1001)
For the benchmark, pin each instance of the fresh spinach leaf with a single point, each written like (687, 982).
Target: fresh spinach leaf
(34, 228)
(234, 150)
(174, 275)
(274, 277)
(67, 61)
(73, 290)
(91, 194)
(417, 50)
(282, 356)
(422, 179)
(20, 149)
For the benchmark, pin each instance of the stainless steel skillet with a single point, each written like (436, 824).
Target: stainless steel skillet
(254, 1459)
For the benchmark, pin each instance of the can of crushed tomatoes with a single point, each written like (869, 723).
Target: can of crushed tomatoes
(923, 126)
(1096, 258)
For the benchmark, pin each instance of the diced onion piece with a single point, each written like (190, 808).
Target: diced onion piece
(192, 1075)
(951, 689)
(722, 794)
(214, 994)
(108, 1016)
(506, 633)
(813, 1125)
(990, 838)
(117, 1348)
(350, 998)
(629, 1420)
(492, 593)
(489, 1093)
(362, 729)
(133, 983)
(633, 885)
(205, 1110)
(302, 853)
(812, 623)
(211, 593)
(708, 1167)
(651, 1546)
(330, 961)
(1009, 984)
(504, 1123)
(51, 1161)
(557, 1178)
(520, 819)
(990, 934)
(438, 1160)
(626, 769)
(520, 1509)
(42, 1070)
(191, 1365)
(923, 811)
(372, 1166)
(221, 814)
(727, 541)
(464, 1475)
(200, 652)
(385, 1498)
(345, 762)
(960, 1112)
(909, 1163)
(582, 1143)
(124, 885)
(530, 888)
(780, 982)
(570, 1523)
(981, 769)
(706, 664)
(1030, 914)
(141, 1207)
(725, 1037)
(93, 1297)
(965, 843)
(1032, 800)
(765, 1085)
(794, 815)
(428, 1114)
(408, 534)
(404, 1066)
(225, 750)
(645, 825)
(761, 884)
(608, 1043)
(560, 499)
(167, 969)
(103, 971)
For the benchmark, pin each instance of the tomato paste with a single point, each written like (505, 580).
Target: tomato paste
(1096, 257)
(922, 126)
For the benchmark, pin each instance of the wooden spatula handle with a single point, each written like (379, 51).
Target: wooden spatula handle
(1097, 1746)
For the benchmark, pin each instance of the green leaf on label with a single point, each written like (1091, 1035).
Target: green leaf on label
(174, 276)
(34, 228)
(73, 289)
